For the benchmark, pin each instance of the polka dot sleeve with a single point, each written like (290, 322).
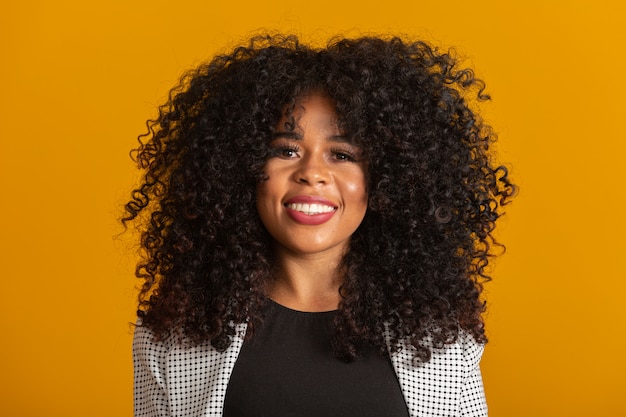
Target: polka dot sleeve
(173, 378)
(472, 401)
(449, 385)
(150, 387)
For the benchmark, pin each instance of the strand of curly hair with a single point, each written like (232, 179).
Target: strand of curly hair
(417, 263)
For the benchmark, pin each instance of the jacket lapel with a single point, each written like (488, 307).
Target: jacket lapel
(198, 377)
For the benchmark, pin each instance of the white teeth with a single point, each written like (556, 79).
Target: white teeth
(311, 209)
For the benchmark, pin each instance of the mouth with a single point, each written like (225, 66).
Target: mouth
(310, 209)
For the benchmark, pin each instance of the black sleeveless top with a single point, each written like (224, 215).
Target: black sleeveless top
(287, 369)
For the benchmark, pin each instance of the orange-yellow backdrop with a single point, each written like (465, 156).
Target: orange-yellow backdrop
(79, 79)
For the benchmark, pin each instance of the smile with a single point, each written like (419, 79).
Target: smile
(310, 209)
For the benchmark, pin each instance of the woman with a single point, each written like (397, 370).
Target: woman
(316, 226)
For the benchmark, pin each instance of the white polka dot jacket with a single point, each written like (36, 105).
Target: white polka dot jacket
(172, 379)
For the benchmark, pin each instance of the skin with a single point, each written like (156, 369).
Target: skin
(312, 201)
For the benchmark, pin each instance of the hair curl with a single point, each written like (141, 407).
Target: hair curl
(416, 264)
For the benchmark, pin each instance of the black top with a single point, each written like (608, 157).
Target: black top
(287, 369)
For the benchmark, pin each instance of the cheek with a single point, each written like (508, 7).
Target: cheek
(268, 198)
(357, 189)
(262, 196)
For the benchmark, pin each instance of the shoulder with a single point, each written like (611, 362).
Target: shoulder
(169, 370)
(465, 351)
(441, 385)
(175, 348)
(145, 343)
(470, 350)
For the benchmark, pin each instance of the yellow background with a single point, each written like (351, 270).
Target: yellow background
(80, 78)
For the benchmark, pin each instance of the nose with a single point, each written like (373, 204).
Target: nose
(313, 170)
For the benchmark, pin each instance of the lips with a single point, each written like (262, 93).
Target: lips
(310, 210)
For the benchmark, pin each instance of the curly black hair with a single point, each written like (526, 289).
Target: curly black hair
(415, 266)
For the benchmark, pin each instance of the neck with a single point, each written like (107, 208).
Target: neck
(307, 283)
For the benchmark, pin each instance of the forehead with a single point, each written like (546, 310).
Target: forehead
(311, 110)
(317, 105)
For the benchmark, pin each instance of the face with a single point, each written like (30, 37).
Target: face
(314, 197)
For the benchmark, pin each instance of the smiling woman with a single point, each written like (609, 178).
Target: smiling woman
(312, 181)
(319, 225)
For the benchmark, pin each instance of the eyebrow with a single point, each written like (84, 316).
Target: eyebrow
(297, 136)
(286, 135)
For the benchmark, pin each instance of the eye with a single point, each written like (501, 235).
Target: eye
(344, 155)
(285, 151)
